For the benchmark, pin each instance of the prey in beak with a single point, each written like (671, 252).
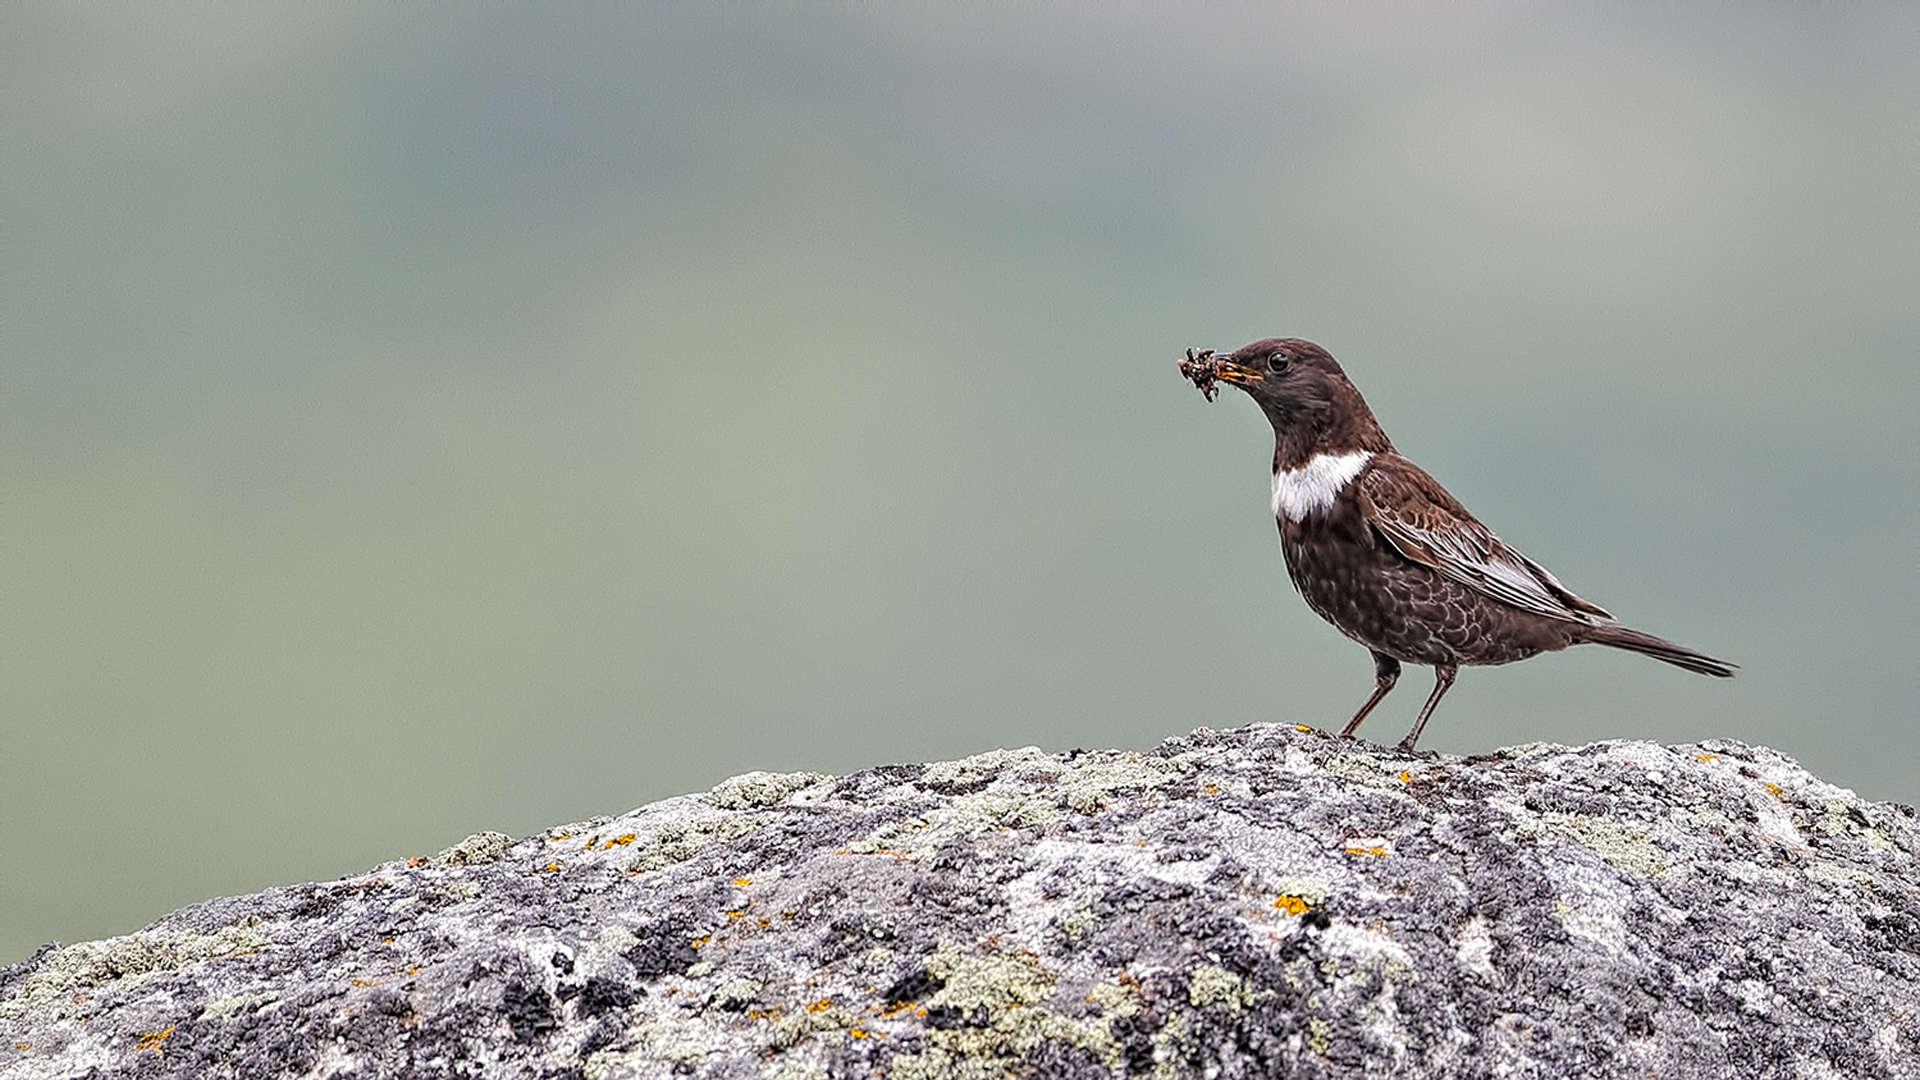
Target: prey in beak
(1203, 367)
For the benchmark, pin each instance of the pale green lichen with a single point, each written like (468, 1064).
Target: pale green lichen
(1312, 891)
(980, 812)
(1837, 819)
(996, 980)
(1209, 984)
(677, 840)
(93, 963)
(1319, 1033)
(610, 942)
(1075, 923)
(1118, 999)
(1363, 771)
(939, 1063)
(481, 847)
(1023, 788)
(1087, 785)
(1622, 846)
(1012, 989)
(972, 770)
(737, 994)
(1170, 1043)
(757, 789)
(456, 892)
(797, 1027)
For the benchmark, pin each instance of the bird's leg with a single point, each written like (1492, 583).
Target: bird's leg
(1386, 671)
(1443, 675)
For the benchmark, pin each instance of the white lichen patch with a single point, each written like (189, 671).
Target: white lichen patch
(1591, 918)
(1369, 952)
(234, 1004)
(1377, 846)
(792, 1068)
(757, 789)
(1475, 948)
(1214, 784)
(1821, 870)
(1366, 771)
(577, 828)
(598, 954)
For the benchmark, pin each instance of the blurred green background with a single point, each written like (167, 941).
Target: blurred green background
(420, 419)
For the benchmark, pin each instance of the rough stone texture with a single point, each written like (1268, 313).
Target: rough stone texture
(1255, 903)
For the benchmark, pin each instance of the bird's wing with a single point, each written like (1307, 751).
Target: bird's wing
(1429, 526)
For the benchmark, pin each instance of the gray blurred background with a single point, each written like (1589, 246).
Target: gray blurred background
(423, 419)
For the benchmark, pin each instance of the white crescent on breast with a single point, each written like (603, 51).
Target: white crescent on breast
(1314, 486)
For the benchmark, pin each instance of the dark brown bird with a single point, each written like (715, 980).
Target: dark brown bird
(1380, 550)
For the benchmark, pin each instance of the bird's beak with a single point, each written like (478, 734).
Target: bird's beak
(1227, 371)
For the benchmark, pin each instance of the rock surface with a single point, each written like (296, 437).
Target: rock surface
(1262, 902)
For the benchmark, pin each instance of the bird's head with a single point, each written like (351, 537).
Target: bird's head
(1308, 399)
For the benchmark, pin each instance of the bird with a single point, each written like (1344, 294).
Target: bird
(1379, 549)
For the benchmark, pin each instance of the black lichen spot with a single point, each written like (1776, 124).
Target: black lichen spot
(314, 902)
(390, 1002)
(912, 987)
(669, 953)
(529, 1011)
(601, 995)
(1057, 1059)
(957, 787)
(949, 1017)
(1316, 918)
(562, 962)
(1135, 1034)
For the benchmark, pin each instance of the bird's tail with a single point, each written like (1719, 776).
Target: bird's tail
(1621, 637)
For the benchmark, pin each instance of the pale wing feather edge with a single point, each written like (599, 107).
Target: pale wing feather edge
(1476, 558)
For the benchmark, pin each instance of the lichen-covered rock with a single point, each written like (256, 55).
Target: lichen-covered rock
(1255, 903)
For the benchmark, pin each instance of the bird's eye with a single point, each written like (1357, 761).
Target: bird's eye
(1277, 363)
